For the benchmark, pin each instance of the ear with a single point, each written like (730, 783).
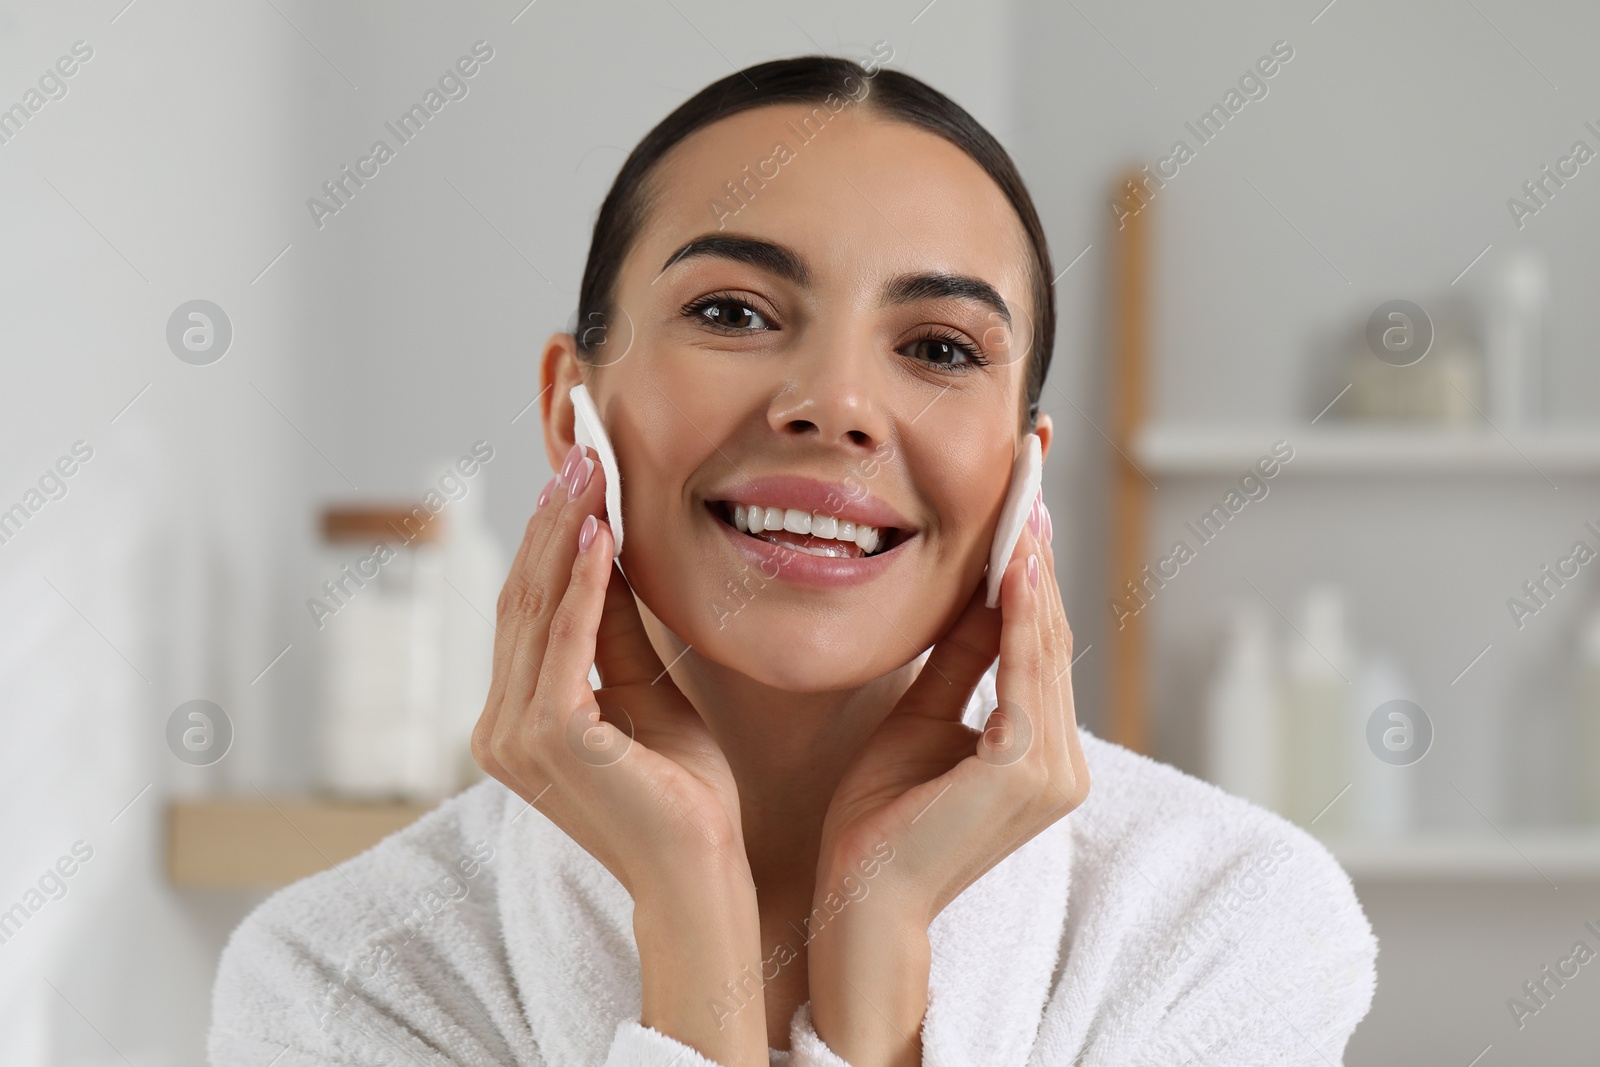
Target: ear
(559, 370)
(1045, 429)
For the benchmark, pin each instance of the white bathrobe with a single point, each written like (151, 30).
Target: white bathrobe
(1162, 922)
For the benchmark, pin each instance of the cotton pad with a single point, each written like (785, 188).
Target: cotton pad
(1026, 473)
(591, 432)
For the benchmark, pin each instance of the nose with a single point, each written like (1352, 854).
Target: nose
(835, 395)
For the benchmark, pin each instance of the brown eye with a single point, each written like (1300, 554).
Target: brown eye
(937, 351)
(728, 313)
(946, 351)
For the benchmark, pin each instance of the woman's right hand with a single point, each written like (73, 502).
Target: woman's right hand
(659, 810)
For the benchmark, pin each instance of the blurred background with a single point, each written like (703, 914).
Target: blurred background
(1325, 384)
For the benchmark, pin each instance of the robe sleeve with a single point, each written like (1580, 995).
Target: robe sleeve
(637, 1045)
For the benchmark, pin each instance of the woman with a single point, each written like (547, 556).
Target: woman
(815, 319)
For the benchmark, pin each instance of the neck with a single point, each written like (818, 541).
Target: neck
(787, 751)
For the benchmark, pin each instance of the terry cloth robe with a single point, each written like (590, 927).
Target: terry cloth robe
(1163, 922)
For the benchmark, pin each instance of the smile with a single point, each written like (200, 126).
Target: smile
(807, 531)
(813, 532)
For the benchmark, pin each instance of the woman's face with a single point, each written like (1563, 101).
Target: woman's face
(802, 352)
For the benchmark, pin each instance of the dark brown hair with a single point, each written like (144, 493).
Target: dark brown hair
(809, 79)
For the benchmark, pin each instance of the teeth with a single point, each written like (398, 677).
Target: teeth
(755, 519)
(831, 551)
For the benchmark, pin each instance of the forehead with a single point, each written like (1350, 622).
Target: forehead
(859, 197)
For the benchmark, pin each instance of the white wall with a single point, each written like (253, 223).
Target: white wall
(152, 581)
(397, 334)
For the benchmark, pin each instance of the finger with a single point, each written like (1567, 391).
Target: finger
(957, 662)
(508, 624)
(1057, 634)
(545, 577)
(1020, 679)
(1063, 687)
(564, 674)
(624, 654)
(1057, 723)
(513, 596)
(506, 621)
(1055, 638)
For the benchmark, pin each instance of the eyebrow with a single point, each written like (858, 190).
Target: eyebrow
(784, 263)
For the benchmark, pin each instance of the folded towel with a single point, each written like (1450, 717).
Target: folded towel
(1162, 922)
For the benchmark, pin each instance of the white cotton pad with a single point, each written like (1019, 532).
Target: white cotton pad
(591, 432)
(1026, 473)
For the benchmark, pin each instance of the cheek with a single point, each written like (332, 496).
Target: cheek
(667, 430)
(660, 447)
(962, 469)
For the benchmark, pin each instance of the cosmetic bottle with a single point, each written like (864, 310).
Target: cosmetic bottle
(1517, 308)
(1445, 387)
(378, 617)
(1380, 802)
(1243, 743)
(1588, 716)
(1317, 714)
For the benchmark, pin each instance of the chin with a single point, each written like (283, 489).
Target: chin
(800, 658)
(809, 636)
(777, 643)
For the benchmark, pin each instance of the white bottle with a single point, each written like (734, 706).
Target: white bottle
(1517, 308)
(366, 694)
(377, 614)
(475, 569)
(1380, 800)
(424, 771)
(1317, 715)
(1588, 717)
(1243, 742)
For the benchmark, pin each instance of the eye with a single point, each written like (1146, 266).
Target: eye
(727, 312)
(947, 349)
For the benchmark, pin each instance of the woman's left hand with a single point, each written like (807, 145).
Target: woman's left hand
(930, 804)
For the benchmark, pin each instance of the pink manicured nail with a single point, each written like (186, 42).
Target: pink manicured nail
(1033, 572)
(1049, 527)
(586, 533)
(580, 478)
(569, 465)
(1034, 521)
(545, 495)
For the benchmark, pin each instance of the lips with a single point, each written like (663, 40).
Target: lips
(846, 502)
(815, 532)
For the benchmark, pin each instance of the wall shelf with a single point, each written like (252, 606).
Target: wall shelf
(1376, 448)
(1528, 856)
(239, 843)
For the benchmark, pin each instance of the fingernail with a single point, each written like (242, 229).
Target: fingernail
(1049, 527)
(580, 478)
(1033, 571)
(1033, 518)
(545, 495)
(586, 533)
(569, 465)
